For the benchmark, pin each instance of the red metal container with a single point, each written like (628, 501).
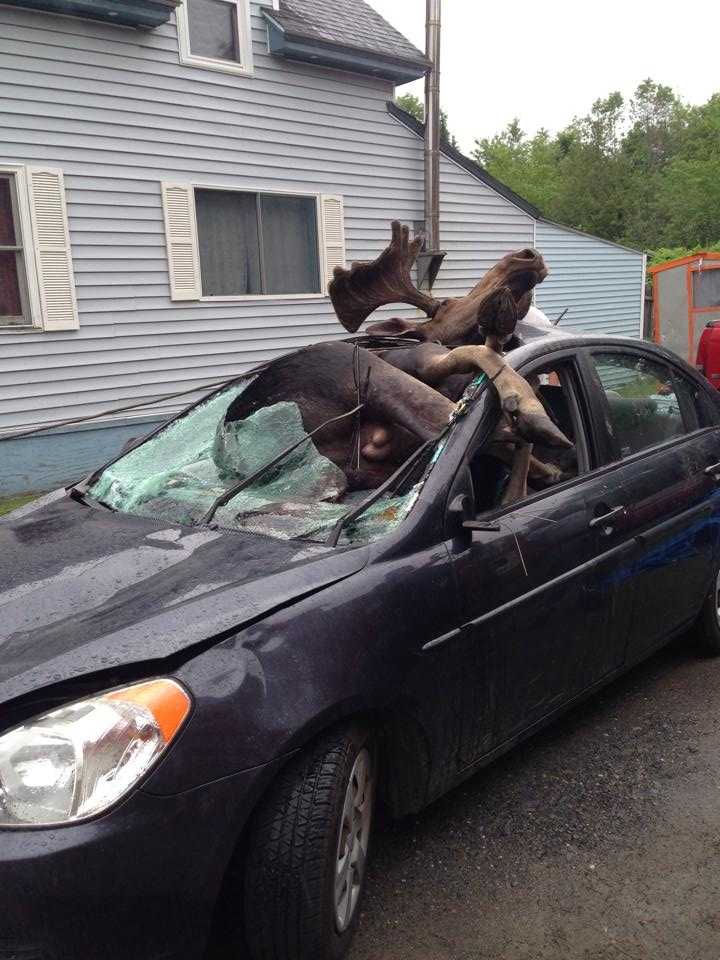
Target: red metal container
(708, 355)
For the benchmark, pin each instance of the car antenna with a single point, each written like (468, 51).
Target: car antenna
(556, 322)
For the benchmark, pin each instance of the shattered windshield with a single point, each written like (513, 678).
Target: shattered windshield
(184, 472)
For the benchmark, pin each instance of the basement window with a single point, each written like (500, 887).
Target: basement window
(14, 306)
(257, 244)
(215, 35)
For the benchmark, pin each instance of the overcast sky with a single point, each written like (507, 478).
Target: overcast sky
(547, 62)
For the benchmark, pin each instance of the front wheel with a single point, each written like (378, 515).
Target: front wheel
(707, 628)
(308, 850)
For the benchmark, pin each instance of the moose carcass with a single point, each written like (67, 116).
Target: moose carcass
(326, 380)
(406, 393)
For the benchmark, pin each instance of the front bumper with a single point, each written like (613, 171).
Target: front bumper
(140, 883)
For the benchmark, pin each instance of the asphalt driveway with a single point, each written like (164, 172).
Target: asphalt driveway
(598, 839)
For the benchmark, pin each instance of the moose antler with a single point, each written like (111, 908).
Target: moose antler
(494, 305)
(359, 291)
(517, 398)
(511, 280)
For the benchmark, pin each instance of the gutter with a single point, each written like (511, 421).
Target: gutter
(128, 13)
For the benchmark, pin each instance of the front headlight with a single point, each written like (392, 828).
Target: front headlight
(75, 762)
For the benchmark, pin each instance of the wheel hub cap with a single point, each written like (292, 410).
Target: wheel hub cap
(353, 837)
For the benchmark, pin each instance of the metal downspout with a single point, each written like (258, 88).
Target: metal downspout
(432, 126)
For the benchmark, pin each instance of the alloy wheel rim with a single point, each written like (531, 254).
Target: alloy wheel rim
(353, 839)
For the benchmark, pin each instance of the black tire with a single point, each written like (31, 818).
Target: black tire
(292, 854)
(707, 629)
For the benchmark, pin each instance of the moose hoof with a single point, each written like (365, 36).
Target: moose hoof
(536, 428)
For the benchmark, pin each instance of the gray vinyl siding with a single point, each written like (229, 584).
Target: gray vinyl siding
(117, 112)
(600, 283)
(477, 227)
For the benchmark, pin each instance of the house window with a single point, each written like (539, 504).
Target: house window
(215, 34)
(14, 308)
(255, 244)
(706, 288)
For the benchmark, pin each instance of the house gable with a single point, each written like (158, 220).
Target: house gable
(473, 168)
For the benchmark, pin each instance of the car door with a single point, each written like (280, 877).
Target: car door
(543, 618)
(662, 447)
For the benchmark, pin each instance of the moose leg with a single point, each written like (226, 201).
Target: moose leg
(517, 487)
(503, 448)
(517, 397)
(546, 473)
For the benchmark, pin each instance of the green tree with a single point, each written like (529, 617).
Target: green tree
(572, 177)
(657, 119)
(690, 187)
(591, 171)
(528, 166)
(663, 254)
(645, 172)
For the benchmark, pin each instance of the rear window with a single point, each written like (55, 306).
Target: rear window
(644, 407)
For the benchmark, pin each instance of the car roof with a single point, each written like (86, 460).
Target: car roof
(560, 339)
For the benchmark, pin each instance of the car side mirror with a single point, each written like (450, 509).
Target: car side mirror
(482, 525)
(459, 512)
(461, 520)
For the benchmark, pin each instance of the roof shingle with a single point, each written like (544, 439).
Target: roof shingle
(348, 23)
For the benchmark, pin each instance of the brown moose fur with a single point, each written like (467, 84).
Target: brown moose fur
(407, 392)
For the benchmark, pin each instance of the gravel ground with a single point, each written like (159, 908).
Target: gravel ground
(598, 839)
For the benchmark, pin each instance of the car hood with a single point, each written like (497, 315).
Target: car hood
(84, 590)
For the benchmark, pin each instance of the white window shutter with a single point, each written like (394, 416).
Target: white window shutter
(51, 242)
(182, 242)
(333, 232)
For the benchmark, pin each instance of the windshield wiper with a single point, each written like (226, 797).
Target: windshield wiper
(233, 491)
(472, 392)
(392, 481)
(80, 494)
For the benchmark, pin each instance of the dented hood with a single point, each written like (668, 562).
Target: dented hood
(83, 590)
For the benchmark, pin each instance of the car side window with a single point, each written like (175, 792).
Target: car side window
(643, 404)
(491, 466)
(696, 406)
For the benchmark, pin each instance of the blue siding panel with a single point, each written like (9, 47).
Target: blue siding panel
(50, 460)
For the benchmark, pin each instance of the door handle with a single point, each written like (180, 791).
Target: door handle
(713, 471)
(605, 520)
